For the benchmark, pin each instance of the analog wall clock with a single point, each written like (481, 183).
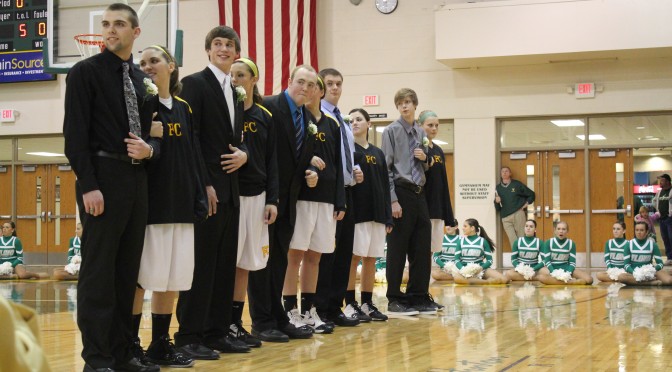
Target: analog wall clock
(386, 6)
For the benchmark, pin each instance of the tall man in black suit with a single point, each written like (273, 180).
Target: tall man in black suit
(269, 319)
(108, 110)
(204, 311)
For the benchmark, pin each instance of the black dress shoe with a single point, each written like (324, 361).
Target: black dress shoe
(270, 335)
(344, 321)
(197, 352)
(300, 333)
(134, 365)
(88, 368)
(228, 344)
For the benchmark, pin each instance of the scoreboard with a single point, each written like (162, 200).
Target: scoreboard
(23, 25)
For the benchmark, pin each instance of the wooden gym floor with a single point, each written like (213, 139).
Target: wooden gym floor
(517, 327)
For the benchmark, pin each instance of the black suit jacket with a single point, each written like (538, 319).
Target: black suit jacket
(291, 166)
(213, 132)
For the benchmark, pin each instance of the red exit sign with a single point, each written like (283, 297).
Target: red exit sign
(584, 90)
(6, 116)
(371, 100)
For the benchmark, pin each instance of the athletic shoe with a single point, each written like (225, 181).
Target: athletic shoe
(302, 332)
(197, 352)
(397, 308)
(438, 306)
(425, 306)
(228, 344)
(344, 321)
(352, 310)
(311, 319)
(138, 352)
(162, 352)
(236, 330)
(372, 311)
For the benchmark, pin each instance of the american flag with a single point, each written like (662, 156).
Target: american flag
(277, 34)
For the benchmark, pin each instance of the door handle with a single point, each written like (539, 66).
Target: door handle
(538, 211)
(48, 216)
(608, 211)
(548, 211)
(628, 210)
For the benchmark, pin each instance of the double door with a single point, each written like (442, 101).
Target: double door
(589, 201)
(45, 210)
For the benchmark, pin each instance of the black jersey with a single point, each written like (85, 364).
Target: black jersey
(260, 173)
(327, 146)
(371, 198)
(176, 187)
(436, 188)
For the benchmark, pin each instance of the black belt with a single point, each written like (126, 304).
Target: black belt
(121, 157)
(412, 187)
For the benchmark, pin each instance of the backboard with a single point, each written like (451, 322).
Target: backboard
(67, 18)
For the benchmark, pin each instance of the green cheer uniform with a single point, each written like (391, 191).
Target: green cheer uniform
(75, 248)
(11, 250)
(473, 249)
(381, 261)
(642, 252)
(614, 253)
(448, 248)
(526, 250)
(559, 254)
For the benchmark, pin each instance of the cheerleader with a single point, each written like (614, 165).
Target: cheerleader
(176, 200)
(614, 253)
(475, 247)
(71, 270)
(373, 220)
(525, 251)
(642, 252)
(559, 253)
(445, 260)
(258, 180)
(317, 210)
(11, 255)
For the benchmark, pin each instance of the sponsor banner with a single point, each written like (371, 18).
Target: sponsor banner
(22, 66)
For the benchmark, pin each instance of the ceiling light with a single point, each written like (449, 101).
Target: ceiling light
(648, 138)
(591, 137)
(40, 153)
(568, 123)
(640, 128)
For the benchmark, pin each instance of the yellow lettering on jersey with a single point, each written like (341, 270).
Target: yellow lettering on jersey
(437, 159)
(320, 136)
(370, 159)
(174, 129)
(264, 250)
(250, 126)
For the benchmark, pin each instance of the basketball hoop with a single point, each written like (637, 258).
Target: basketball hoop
(89, 44)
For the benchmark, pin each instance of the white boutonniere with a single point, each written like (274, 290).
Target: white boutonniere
(425, 141)
(150, 87)
(347, 119)
(241, 94)
(312, 128)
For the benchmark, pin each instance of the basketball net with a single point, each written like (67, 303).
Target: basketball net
(89, 44)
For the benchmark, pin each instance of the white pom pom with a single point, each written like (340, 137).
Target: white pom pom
(644, 273)
(380, 276)
(6, 268)
(449, 267)
(76, 259)
(562, 275)
(525, 270)
(472, 270)
(614, 272)
(72, 268)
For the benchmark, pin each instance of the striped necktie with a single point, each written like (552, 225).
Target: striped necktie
(345, 140)
(413, 143)
(298, 130)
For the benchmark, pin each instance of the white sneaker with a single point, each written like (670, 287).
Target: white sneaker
(313, 320)
(295, 318)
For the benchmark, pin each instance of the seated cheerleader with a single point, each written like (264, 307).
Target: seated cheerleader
(559, 254)
(614, 252)
(525, 255)
(473, 257)
(11, 255)
(71, 270)
(640, 255)
(446, 258)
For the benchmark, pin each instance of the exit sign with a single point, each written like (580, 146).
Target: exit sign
(6, 116)
(371, 100)
(584, 90)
